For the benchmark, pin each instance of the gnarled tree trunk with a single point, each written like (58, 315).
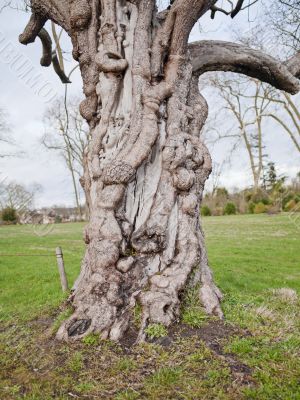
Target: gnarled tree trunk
(146, 165)
(144, 178)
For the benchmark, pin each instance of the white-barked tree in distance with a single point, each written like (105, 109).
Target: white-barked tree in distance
(146, 165)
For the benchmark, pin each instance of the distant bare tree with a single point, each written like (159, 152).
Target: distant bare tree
(285, 111)
(215, 176)
(7, 3)
(18, 197)
(282, 107)
(67, 133)
(18, 5)
(248, 102)
(5, 138)
(284, 20)
(251, 102)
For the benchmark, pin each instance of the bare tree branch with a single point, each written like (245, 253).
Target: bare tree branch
(47, 48)
(293, 65)
(286, 128)
(56, 10)
(5, 138)
(175, 29)
(33, 28)
(248, 117)
(60, 72)
(66, 133)
(234, 9)
(283, 19)
(227, 56)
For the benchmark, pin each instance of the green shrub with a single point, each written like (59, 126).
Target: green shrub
(9, 215)
(230, 209)
(251, 207)
(222, 192)
(260, 196)
(248, 196)
(218, 211)
(287, 199)
(259, 208)
(205, 211)
(58, 219)
(273, 209)
(290, 205)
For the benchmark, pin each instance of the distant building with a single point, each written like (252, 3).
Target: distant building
(52, 215)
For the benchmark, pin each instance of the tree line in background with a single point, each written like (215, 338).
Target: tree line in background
(252, 105)
(66, 133)
(272, 195)
(250, 102)
(17, 206)
(146, 164)
(16, 200)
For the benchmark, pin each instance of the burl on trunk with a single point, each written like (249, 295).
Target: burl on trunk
(146, 165)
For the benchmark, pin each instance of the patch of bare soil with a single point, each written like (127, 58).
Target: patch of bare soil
(213, 335)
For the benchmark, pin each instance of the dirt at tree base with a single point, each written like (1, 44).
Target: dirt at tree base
(44, 356)
(212, 334)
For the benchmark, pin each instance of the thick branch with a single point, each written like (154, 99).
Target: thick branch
(237, 8)
(172, 36)
(35, 29)
(59, 71)
(226, 56)
(286, 128)
(47, 48)
(234, 9)
(56, 10)
(293, 65)
(32, 29)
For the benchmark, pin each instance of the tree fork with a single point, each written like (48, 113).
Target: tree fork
(146, 166)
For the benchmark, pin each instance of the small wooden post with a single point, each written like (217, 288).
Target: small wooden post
(61, 269)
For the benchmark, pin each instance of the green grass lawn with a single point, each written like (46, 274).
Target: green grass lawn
(253, 355)
(31, 284)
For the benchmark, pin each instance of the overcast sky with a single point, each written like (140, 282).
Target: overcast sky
(25, 107)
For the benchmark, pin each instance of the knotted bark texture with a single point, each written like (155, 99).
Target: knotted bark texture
(146, 166)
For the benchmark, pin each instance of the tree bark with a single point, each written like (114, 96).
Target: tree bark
(143, 239)
(146, 165)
